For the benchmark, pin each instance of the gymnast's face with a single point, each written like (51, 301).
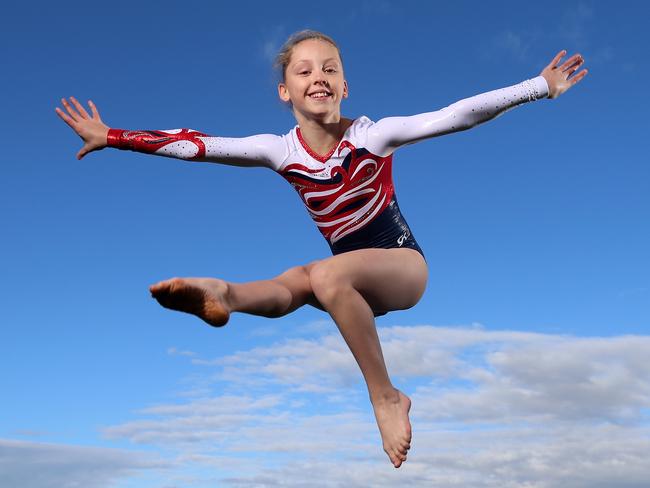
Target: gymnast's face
(314, 82)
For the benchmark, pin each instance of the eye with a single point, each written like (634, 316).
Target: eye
(304, 72)
(330, 70)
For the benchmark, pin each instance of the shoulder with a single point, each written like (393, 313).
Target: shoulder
(357, 133)
(372, 135)
(361, 123)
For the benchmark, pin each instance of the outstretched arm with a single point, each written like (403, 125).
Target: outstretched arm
(392, 132)
(260, 150)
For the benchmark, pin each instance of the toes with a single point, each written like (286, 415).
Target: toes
(175, 283)
(166, 292)
(398, 455)
(156, 287)
(164, 286)
(392, 456)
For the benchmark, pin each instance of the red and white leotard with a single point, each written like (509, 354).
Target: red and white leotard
(349, 193)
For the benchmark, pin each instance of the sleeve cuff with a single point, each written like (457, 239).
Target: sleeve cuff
(541, 86)
(114, 138)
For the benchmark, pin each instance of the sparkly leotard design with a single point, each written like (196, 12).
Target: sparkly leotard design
(349, 192)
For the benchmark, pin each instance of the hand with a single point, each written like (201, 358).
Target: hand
(91, 129)
(557, 77)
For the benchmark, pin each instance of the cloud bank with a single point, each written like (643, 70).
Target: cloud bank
(490, 409)
(40, 465)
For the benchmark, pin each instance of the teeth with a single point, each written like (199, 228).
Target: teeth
(319, 95)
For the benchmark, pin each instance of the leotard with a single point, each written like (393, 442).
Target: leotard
(349, 192)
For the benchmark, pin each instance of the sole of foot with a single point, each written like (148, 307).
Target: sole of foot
(203, 297)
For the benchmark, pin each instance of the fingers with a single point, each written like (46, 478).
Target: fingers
(576, 59)
(79, 113)
(80, 108)
(93, 109)
(556, 59)
(578, 77)
(570, 70)
(74, 115)
(67, 119)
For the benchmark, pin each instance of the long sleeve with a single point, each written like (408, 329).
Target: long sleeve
(265, 150)
(392, 132)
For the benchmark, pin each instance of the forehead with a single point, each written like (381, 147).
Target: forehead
(313, 49)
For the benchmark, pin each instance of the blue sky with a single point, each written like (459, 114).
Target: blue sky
(525, 350)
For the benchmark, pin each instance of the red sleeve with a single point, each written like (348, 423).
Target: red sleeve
(149, 141)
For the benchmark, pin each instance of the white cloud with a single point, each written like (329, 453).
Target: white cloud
(564, 379)
(173, 351)
(600, 457)
(38, 465)
(490, 409)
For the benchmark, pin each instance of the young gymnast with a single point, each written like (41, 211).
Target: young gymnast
(341, 169)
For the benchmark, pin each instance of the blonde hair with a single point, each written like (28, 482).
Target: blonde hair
(284, 56)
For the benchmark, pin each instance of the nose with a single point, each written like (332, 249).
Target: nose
(319, 78)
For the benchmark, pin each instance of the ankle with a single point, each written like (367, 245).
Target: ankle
(227, 298)
(386, 396)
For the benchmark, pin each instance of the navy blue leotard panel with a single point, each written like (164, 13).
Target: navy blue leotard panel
(387, 230)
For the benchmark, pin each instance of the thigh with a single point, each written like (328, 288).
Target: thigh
(388, 279)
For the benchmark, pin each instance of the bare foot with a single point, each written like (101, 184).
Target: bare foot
(393, 420)
(204, 297)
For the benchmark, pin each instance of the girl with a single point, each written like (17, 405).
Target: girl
(341, 169)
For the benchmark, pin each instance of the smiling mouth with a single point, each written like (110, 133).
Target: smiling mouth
(319, 95)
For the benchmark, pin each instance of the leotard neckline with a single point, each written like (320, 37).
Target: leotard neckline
(313, 153)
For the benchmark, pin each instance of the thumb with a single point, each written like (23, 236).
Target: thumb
(86, 149)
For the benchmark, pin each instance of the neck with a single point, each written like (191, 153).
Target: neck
(322, 135)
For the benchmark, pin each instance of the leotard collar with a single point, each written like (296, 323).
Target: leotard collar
(313, 153)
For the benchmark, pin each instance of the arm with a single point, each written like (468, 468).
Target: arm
(260, 150)
(390, 133)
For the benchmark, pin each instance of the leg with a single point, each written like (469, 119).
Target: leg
(275, 297)
(350, 286)
(213, 300)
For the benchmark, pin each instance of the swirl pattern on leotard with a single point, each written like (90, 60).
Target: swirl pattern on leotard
(347, 196)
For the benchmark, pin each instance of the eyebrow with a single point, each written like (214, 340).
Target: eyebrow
(327, 60)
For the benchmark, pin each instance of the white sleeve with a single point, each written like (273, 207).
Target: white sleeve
(260, 150)
(265, 150)
(389, 133)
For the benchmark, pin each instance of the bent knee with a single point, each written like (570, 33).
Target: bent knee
(327, 280)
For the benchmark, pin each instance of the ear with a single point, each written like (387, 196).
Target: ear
(283, 92)
(345, 89)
